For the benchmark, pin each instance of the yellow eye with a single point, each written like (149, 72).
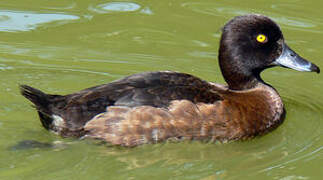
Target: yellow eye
(262, 38)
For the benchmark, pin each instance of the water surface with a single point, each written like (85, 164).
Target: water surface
(65, 46)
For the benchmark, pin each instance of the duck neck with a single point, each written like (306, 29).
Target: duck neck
(241, 81)
(239, 77)
(234, 67)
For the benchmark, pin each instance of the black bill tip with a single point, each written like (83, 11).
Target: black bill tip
(315, 68)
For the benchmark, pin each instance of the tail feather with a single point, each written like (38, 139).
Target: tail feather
(50, 112)
(41, 102)
(36, 96)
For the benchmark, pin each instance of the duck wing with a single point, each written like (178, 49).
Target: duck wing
(156, 89)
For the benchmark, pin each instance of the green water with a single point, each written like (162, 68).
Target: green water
(65, 46)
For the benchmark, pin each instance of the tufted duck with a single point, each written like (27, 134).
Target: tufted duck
(156, 106)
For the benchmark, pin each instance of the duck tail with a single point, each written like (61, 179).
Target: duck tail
(41, 102)
(37, 97)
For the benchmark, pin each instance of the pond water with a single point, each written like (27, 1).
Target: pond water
(65, 46)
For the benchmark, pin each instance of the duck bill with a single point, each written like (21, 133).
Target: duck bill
(290, 59)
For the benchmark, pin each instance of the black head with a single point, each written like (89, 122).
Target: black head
(250, 44)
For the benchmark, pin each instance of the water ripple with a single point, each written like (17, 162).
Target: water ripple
(225, 10)
(4, 67)
(24, 21)
(63, 68)
(116, 7)
(120, 6)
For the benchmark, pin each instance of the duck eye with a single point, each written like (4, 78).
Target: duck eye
(262, 38)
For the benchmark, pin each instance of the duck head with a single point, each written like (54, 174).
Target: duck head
(252, 43)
